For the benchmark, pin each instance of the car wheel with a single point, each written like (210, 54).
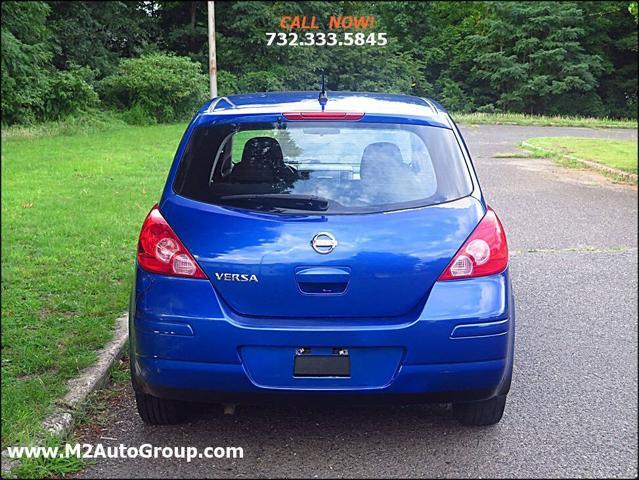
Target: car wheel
(486, 412)
(158, 411)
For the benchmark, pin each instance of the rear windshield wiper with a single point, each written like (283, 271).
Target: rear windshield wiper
(268, 201)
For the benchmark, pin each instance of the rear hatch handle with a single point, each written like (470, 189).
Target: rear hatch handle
(322, 280)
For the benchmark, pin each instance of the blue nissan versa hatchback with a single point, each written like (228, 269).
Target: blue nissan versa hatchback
(307, 249)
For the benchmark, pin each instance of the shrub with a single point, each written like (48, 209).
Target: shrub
(451, 94)
(160, 86)
(26, 51)
(69, 92)
(137, 115)
(263, 81)
(488, 108)
(226, 83)
(52, 95)
(23, 98)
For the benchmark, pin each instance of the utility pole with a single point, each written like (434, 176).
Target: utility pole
(212, 61)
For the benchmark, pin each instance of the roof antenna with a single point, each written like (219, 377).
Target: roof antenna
(323, 98)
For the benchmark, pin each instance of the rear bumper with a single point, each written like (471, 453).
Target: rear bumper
(229, 383)
(186, 345)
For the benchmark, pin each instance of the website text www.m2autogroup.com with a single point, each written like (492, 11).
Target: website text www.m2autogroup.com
(146, 450)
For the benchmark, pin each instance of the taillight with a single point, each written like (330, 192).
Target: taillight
(484, 253)
(323, 115)
(161, 251)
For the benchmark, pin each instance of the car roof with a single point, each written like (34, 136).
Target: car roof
(388, 104)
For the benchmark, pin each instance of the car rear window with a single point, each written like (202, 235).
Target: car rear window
(323, 167)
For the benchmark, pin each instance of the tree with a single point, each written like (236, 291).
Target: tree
(611, 33)
(26, 54)
(99, 34)
(531, 57)
(432, 36)
(537, 57)
(183, 29)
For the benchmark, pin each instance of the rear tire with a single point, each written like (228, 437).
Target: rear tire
(486, 412)
(158, 411)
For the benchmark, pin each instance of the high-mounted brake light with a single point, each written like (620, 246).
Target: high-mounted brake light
(161, 251)
(484, 253)
(323, 115)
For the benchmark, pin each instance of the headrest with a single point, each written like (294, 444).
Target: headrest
(262, 150)
(262, 162)
(380, 157)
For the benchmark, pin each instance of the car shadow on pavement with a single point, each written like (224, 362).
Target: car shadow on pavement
(301, 426)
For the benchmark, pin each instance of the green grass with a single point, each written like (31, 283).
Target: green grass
(618, 154)
(82, 124)
(48, 467)
(540, 120)
(72, 207)
(92, 414)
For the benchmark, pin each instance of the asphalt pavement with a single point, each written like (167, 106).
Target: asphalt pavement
(572, 410)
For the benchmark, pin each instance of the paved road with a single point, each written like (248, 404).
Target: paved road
(573, 407)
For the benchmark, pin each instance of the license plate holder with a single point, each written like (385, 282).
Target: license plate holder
(322, 366)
